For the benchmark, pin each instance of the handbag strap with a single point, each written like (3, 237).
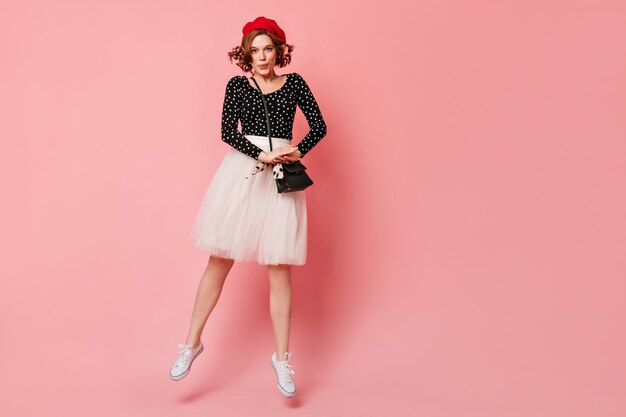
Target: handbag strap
(267, 116)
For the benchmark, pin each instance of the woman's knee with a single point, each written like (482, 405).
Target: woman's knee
(279, 275)
(220, 261)
(279, 267)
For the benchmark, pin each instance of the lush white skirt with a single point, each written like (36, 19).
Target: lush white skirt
(247, 219)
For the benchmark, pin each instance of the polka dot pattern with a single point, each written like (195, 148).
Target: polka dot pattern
(243, 102)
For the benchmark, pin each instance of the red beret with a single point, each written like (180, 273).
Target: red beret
(264, 23)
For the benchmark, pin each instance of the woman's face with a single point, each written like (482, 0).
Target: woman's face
(263, 54)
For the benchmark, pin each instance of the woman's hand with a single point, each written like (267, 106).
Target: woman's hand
(293, 156)
(281, 154)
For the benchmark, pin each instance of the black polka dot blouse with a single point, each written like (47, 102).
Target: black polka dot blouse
(243, 102)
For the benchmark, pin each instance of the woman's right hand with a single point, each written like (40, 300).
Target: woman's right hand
(275, 156)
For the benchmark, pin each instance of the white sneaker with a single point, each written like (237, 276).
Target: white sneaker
(187, 354)
(283, 370)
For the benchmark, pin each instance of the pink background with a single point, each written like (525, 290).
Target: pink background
(467, 228)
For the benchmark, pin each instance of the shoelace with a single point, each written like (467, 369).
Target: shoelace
(185, 353)
(286, 370)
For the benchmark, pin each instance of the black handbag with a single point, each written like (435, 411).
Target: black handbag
(295, 177)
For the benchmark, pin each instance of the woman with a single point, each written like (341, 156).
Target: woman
(242, 216)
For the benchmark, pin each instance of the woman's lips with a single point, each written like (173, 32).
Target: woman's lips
(263, 66)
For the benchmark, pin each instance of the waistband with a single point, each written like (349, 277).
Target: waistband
(264, 139)
(263, 142)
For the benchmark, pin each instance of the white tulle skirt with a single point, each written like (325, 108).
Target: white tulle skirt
(247, 219)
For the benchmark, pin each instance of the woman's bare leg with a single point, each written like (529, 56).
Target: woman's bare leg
(280, 306)
(209, 290)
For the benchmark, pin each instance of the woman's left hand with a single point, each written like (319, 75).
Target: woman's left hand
(290, 157)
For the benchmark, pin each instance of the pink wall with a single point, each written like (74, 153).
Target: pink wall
(467, 229)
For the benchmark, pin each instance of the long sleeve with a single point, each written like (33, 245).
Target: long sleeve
(231, 112)
(308, 105)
